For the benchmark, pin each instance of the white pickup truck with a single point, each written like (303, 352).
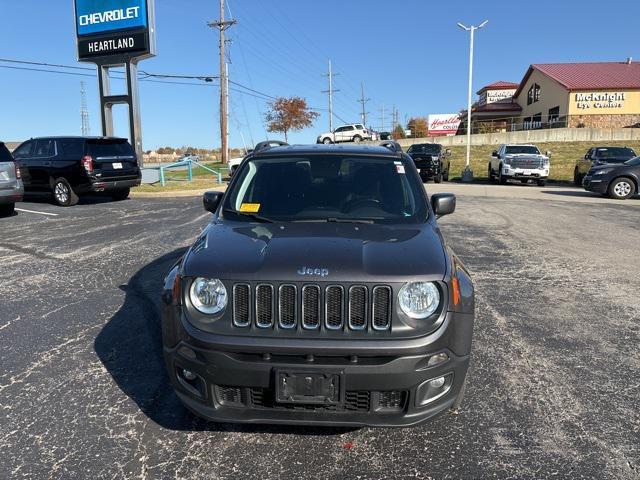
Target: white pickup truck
(519, 162)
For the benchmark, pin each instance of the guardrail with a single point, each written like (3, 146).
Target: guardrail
(189, 164)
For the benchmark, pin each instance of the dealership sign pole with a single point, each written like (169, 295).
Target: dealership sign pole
(117, 33)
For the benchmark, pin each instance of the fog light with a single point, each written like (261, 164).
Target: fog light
(437, 382)
(188, 375)
(437, 359)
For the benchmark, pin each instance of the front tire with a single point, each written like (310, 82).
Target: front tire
(326, 141)
(7, 210)
(577, 178)
(63, 194)
(120, 194)
(438, 178)
(542, 182)
(445, 176)
(490, 174)
(621, 188)
(502, 180)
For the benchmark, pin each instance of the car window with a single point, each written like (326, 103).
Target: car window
(359, 127)
(109, 148)
(349, 128)
(319, 187)
(615, 152)
(72, 147)
(44, 148)
(526, 149)
(23, 150)
(426, 148)
(340, 129)
(5, 155)
(634, 162)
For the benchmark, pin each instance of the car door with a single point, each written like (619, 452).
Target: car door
(41, 163)
(22, 156)
(347, 133)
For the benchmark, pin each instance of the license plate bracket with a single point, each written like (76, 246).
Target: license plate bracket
(308, 387)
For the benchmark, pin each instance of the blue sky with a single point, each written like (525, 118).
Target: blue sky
(408, 53)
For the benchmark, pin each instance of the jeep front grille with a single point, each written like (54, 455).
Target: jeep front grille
(312, 307)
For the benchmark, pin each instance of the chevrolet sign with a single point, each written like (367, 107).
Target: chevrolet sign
(115, 29)
(104, 16)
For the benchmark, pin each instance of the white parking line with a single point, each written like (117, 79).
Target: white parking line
(39, 213)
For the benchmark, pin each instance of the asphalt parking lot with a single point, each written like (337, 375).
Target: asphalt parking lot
(554, 386)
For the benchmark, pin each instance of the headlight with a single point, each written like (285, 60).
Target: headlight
(419, 299)
(602, 172)
(208, 295)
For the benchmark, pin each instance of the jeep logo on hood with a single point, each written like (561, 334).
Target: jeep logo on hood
(313, 272)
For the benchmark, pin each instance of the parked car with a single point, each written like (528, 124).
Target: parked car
(600, 156)
(235, 162)
(321, 292)
(70, 166)
(617, 180)
(347, 133)
(432, 161)
(11, 188)
(385, 136)
(519, 162)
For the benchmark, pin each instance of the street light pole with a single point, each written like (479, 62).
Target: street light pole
(467, 174)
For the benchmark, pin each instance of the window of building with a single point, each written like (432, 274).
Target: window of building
(526, 123)
(533, 94)
(537, 121)
(554, 115)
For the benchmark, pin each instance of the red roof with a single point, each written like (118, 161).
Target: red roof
(499, 85)
(589, 76)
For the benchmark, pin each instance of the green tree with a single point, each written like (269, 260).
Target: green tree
(398, 132)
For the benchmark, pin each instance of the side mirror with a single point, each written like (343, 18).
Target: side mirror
(586, 156)
(443, 203)
(548, 153)
(494, 153)
(211, 200)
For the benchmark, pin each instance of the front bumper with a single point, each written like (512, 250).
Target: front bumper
(382, 386)
(525, 174)
(597, 185)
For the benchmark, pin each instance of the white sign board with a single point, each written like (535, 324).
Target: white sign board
(443, 124)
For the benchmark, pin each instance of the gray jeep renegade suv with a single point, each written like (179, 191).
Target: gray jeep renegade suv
(321, 292)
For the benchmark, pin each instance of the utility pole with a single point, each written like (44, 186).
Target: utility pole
(331, 91)
(467, 174)
(222, 25)
(382, 118)
(394, 118)
(84, 111)
(363, 101)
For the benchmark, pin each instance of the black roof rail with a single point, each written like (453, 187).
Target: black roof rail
(391, 145)
(268, 144)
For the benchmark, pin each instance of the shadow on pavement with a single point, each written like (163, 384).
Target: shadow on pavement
(573, 193)
(87, 199)
(130, 347)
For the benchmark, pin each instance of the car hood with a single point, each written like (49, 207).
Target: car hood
(317, 252)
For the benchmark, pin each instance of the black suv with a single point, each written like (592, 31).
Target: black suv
(432, 161)
(70, 166)
(321, 292)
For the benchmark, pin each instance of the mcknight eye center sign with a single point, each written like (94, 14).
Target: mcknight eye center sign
(107, 28)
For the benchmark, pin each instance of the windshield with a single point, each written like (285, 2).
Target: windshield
(516, 149)
(633, 162)
(615, 153)
(327, 188)
(428, 149)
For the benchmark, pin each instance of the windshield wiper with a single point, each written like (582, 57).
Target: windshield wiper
(350, 220)
(253, 216)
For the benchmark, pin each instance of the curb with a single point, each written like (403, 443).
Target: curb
(177, 193)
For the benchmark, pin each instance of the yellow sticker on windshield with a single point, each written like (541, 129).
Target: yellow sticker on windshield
(250, 207)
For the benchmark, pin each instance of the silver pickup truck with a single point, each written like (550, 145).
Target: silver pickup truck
(519, 162)
(11, 188)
